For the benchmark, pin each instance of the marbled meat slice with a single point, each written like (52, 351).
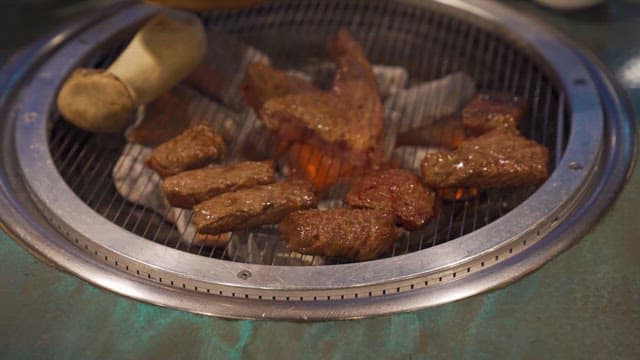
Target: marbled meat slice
(360, 234)
(498, 159)
(196, 147)
(263, 82)
(189, 188)
(248, 208)
(348, 119)
(487, 112)
(397, 191)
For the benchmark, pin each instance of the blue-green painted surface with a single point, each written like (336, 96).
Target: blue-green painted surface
(584, 304)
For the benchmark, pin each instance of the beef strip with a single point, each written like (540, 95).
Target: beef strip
(360, 234)
(488, 112)
(189, 188)
(397, 191)
(497, 159)
(347, 120)
(260, 205)
(196, 147)
(263, 82)
(446, 132)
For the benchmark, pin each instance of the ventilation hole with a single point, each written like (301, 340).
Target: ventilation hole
(117, 263)
(220, 292)
(287, 298)
(510, 250)
(369, 293)
(301, 298)
(482, 264)
(454, 275)
(246, 296)
(468, 269)
(105, 258)
(148, 276)
(497, 257)
(355, 295)
(138, 273)
(171, 282)
(315, 298)
(440, 279)
(524, 242)
(426, 283)
(234, 295)
(384, 292)
(273, 298)
(184, 286)
(208, 291)
(329, 297)
(259, 297)
(127, 267)
(195, 288)
(555, 219)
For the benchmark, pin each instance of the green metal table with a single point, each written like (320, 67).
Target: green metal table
(583, 304)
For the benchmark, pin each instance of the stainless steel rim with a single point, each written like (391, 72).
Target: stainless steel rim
(513, 245)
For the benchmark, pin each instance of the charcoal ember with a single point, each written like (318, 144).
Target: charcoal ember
(223, 69)
(390, 79)
(175, 111)
(422, 104)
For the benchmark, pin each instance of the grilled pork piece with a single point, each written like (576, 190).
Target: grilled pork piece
(189, 188)
(488, 112)
(347, 120)
(359, 234)
(497, 159)
(397, 191)
(260, 205)
(196, 147)
(263, 82)
(447, 132)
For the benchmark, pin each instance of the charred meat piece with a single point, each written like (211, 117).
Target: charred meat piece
(196, 147)
(189, 188)
(260, 205)
(359, 234)
(347, 120)
(446, 132)
(487, 112)
(397, 191)
(263, 82)
(498, 159)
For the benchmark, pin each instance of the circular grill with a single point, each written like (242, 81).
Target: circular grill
(89, 228)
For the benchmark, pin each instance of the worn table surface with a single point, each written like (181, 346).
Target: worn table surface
(583, 304)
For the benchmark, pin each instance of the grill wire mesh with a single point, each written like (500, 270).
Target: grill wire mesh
(427, 43)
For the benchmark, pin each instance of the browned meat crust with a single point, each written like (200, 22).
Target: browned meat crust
(263, 82)
(446, 132)
(189, 188)
(497, 159)
(397, 191)
(488, 112)
(348, 120)
(260, 205)
(196, 147)
(359, 234)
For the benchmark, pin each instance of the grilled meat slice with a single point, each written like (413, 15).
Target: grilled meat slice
(397, 191)
(347, 120)
(260, 205)
(487, 112)
(263, 82)
(446, 132)
(189, 188)
(360, 234)
(498, 159)
(196, 147)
